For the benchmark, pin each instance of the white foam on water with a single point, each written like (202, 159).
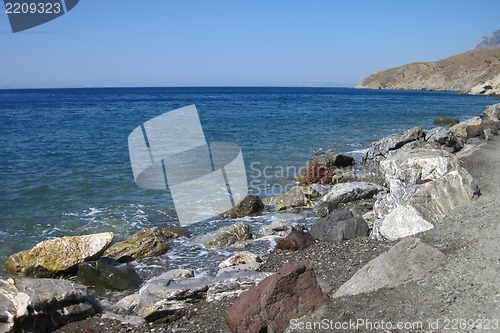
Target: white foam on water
(359, 151)
(94, 211)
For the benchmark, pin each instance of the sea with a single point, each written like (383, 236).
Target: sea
(65, 168)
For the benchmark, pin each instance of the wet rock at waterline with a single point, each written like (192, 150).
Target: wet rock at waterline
(251, 205)
(331, 161)
(446, 121)
(276, 228)
(293, 198)
(229, 235)
(108, 273)
(145, 243)
(61, 255)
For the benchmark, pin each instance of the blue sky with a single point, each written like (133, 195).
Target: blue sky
(102, 43)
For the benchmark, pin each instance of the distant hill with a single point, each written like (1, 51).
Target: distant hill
(472, 72)
(489, 41)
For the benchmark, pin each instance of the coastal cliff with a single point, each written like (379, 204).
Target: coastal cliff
(474, 72)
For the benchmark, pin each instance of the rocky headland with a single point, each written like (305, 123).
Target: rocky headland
(407, 235)
(474, 72)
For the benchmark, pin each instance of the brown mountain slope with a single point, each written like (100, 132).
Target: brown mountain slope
(475, 72)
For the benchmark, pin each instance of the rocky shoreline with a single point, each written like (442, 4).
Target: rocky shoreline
(364, 242)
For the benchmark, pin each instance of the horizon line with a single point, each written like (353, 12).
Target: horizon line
(194, 86)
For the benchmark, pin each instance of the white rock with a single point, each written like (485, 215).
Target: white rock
(438, 198)
(248, 259)
(409, 167)
(403, 221)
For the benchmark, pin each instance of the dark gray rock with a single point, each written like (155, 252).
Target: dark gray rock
(324, 209)
(347, 192)
(108, 273)
(445, 138)
(161, 298)
(251, 205)
(339, 226)
(446, 121)
(43, 305)
(380, 149)
(332, 161)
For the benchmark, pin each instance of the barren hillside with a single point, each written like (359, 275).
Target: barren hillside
(475, 72)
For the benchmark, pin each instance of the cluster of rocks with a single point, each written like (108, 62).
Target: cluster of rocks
(41, 301)
(41, 305)
(167, 296)
(404, 185)
(409, 181)
(420, 180)
(424, 176)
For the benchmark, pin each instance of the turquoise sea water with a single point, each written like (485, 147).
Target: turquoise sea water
(65, 168)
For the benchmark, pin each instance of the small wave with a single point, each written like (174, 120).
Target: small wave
(94, 211)
(359, 151)
(69, 214)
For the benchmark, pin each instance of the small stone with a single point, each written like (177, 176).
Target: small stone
(296, 240)
(249, 259)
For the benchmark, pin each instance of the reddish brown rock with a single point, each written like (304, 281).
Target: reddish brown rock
(296, 240)
(290, 293)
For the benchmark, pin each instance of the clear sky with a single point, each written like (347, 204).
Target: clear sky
(102, 43)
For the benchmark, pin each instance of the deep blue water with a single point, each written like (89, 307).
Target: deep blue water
(65, 168)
